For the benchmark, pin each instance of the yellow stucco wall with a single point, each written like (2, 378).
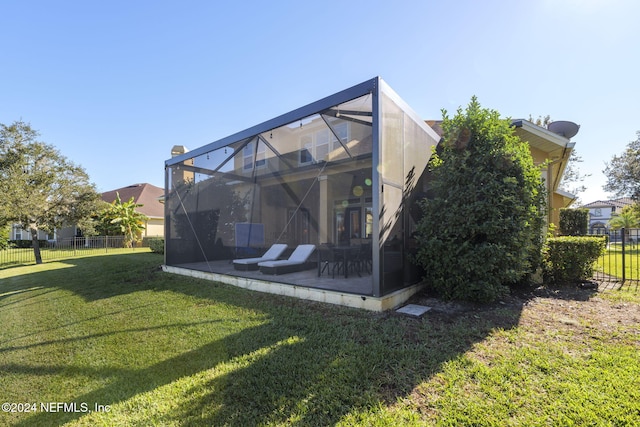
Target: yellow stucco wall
(154, 227)
(549, 173)
(557, 202)
(539, 156)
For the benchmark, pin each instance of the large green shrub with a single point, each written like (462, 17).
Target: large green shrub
(482, 224)
(156, 244)
(574, 222)
(570, 259)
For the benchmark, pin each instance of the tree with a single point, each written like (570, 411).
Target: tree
(122, 218)
(572, 178)
(4, 236)
(482, 225)
(626, 219)
(541, 120)
(633, 208)
(623, 171)
(40, 189)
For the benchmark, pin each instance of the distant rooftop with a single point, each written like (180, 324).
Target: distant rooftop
(145, 194)
(620, 202)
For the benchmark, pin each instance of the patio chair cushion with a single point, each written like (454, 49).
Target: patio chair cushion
(296, 262)
(272, 254)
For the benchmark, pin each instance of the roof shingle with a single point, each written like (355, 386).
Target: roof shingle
(145, 194)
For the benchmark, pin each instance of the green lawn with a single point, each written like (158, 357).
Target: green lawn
(25, 256)
(158, 349)
(611, 262)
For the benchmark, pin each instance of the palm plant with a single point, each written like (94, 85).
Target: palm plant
(626, 219)
(122, 218)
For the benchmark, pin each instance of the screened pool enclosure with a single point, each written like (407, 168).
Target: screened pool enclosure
(342, 173)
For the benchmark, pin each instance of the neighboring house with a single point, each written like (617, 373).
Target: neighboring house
(601, 211)
(347, 170)
(149, 197)
(18, 233)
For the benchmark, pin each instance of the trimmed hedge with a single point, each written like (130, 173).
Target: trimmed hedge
(24, 244)
(574, 222)
(571, 259)
(156, 244)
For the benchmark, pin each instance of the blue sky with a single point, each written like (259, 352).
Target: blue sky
(114, 85)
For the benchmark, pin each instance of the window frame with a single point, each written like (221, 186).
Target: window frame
(309, 143)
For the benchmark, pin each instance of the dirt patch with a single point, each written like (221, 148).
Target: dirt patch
(546, 306)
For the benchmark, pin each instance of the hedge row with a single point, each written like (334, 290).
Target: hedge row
(574, 222)
(23, 244)
(156, 244)
(570, 259)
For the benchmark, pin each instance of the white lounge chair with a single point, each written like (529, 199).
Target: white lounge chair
(296, 262)
(246, 264)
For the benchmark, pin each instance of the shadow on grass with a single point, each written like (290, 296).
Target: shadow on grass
(307, 364)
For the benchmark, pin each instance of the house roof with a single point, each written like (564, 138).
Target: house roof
(557, 147)
(145, 194)
(436, 125)
(620, 202)
(541, 137)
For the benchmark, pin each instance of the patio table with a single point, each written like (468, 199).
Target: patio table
(343, 255)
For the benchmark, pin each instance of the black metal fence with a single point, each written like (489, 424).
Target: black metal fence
(65, 248)
(621, 261)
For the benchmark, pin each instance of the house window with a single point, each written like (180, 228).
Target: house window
(322, 144)
(342, 130)
(247, 156)
(306, 149)
(18, 233)
(598, 212)
(315, 147)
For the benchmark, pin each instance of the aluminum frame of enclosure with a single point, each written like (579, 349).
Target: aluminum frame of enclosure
(400, 148)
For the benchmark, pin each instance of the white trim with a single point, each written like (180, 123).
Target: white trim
(379, 304)
(546, 134)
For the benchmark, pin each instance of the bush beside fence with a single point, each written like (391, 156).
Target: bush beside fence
(156, 244)
(570, 259)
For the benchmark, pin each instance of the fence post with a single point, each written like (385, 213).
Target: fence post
(623, 257)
